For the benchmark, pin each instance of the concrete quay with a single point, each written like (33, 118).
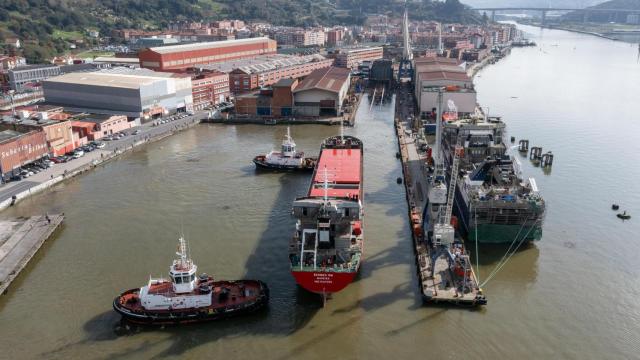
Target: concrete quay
(20, 240)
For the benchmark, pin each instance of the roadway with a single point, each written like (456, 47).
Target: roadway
(147, 132)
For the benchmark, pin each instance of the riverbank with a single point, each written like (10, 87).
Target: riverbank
(14, 192)
(489, 60)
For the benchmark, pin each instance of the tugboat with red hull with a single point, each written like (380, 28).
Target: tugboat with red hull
(326, 249)
(288, 159)
(187, 298)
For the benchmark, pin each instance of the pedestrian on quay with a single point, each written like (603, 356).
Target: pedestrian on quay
(46, 216)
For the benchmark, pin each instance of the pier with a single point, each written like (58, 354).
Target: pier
(20, 240)
(433, 278)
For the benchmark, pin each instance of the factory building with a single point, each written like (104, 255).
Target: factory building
(248, 75)
(433, 74)
(209, 88)
(276, 102)
(181, 57)
(20, 148)
(350, 58)
(322, 93)
(135, 93)
(21, 76)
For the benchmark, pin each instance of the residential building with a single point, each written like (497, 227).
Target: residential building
(10, 62)
(181, 57)
(335, 37)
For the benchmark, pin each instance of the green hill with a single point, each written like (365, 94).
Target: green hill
(46, 26)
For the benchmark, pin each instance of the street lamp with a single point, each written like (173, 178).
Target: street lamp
(13, 108)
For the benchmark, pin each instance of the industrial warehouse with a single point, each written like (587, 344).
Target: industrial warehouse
(135, 93)
(181, 57)
(322, 93)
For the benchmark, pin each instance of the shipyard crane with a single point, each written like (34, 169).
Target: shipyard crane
(406, 66)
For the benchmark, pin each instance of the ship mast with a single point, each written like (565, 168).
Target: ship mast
(184, 261)
(440, 47)
(325, 186)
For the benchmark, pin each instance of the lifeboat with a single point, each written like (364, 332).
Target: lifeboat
(187, 298)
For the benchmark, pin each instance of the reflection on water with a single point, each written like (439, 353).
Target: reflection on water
(570, 295)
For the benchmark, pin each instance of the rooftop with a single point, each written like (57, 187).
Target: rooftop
(110, 59)
(444, 75)
(8, 134)
(330, 79)
(262, 63)
(284, 82)
(93, 118)
(33, 67)
(207, 45)
(106, 79)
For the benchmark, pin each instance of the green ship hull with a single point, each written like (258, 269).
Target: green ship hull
(500, 234)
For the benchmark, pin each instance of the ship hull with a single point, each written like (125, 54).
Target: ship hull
(320, 282)
(491, 233)
(188, 316)
(501, 234)
(263, 165)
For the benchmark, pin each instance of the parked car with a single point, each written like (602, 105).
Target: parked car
(15, 178)
(56, 159)
(26, 173)
(100, 145)
(136, 132)
(78, 154)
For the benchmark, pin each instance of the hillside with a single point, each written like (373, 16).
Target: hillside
(606, 17)
(46, 26)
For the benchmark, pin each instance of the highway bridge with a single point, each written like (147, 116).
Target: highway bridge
(586, 12)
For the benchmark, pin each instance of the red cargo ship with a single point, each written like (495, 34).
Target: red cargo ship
(327, 246)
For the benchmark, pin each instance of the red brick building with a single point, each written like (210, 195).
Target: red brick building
(17, 149)
(255, 74)
(181, 57)
(209, 88)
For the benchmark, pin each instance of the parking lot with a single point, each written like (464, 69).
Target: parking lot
(147, 131)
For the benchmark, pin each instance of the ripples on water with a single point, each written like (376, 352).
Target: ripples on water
(570, 295)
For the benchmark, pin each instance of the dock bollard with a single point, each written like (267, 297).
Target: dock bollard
(524, 145)
(547, 159)
(536, 153)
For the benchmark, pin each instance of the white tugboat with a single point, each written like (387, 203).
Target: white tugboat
(288, 159)
(186, 297)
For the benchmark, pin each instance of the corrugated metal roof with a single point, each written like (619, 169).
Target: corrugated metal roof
(105, 79)
(444, 75)
(207, 45)
(330, 79)
(262, 63)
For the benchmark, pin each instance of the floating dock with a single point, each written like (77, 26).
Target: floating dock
(20, 239)
(434, 285)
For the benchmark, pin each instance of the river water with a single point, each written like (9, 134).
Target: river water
(573, 294)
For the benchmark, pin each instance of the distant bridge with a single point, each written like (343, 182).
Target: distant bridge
(585, 11)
